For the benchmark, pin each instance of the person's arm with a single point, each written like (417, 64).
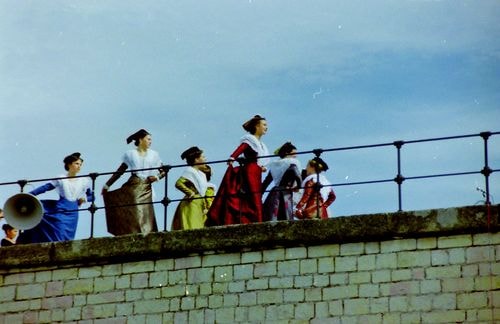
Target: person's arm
(182, 185)
(239, 150)
(297, 178)
(267, 181)
(330, 200)
(46, 187)
(119, 172)
(89, 197)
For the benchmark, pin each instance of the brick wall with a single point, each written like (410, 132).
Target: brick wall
(444, 272)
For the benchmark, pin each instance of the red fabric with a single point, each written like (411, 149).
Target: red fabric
(307, 207)
(239, 198)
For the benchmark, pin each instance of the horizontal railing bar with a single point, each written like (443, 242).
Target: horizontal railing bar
(442, 175)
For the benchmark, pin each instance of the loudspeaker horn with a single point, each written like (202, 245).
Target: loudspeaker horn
(23, 211)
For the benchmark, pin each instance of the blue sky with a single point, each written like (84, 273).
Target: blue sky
(83, 75)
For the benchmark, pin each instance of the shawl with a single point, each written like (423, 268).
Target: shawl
(258, 146)
(197, 178)
(278, 168)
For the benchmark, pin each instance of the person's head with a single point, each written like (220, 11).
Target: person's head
(287, 149)
(257, 125)
(207, 170)
(141, 138)
(73, 163)
(316, 165)
(10, 232)
(193, 155)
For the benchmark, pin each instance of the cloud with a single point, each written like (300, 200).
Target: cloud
(85, 74)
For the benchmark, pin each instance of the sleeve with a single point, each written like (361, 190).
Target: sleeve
(330, 200)
(158, 161)
(89, 195)
(119, 172)
(182, 185)
(46, 187)
(239, 150)
(159, 164)
(126, 159)
(292, 177)
(267, 180)
(297, 177)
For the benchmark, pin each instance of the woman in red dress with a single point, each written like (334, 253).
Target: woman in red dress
(239, 199)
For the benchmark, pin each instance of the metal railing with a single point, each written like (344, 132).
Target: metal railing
(399, 179)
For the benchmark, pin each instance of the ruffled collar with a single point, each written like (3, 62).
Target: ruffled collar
(258, 146)
(197, 178)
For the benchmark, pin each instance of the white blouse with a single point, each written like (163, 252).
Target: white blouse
(135, 161)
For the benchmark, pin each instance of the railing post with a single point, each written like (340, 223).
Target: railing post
(165, 201)
(317, 186)
(486, 171)
(92, 209)
(22, 183)
(399, 178)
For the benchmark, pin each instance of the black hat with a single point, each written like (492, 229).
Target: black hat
(191, 152)
(7, 227)
(71, 158)
(137, 135)
(249, 125)
(319, 164)
(285, 149)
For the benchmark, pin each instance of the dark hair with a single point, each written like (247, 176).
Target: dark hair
(207, 170)
(191, 154)
(285, 149)
(70, 159)
(141, 133)
(318, 164)
(251, 125)
(7, 227)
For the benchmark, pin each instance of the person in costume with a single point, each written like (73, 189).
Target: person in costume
(10, 235)
(138, 215)
(191, 212)
(285, 173)
(60, 218)
(239, 199)
(318, 194)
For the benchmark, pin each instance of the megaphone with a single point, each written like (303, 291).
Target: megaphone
(23, 211)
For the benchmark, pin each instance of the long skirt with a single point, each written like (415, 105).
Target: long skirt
(278, 205)
(59, 222)
(189, 214)
(129, 209)
(239, 198)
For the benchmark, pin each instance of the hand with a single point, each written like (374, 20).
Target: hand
(151, 179)
(81, 201)
(264, 169)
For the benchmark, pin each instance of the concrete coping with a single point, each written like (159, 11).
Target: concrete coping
(347, 229)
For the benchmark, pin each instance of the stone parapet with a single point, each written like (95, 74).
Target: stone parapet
(353, 230)
(437, 266)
